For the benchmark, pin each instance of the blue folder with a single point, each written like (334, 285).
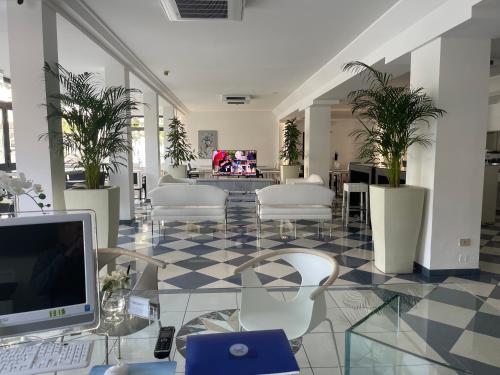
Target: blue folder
(269, 353)
(148, 368)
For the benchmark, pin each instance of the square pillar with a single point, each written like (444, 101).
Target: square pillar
(152, 139)
(455, 73)
(32, 32)
(317, 141)
(117, 75)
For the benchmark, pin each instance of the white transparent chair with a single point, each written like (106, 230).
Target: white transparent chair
(260, 310)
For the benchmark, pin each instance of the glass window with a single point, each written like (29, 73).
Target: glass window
(2, 151)
(10, 119)
(138, 143)
(5, 91)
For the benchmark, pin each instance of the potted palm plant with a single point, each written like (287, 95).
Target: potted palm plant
(96, 121)
(390, 116)
(179, 149)
(290, 151)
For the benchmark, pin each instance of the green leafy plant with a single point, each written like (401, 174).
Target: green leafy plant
(290, 152)
(179, 149)
(390, 117)
(97, 118)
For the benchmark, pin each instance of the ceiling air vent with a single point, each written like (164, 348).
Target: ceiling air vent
(194, 10)
(236, 99)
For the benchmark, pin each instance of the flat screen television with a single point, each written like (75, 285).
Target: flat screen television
(234, 163)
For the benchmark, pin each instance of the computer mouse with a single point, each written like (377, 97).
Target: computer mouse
(119, 369)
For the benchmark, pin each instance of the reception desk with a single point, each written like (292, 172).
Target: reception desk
(369, 174)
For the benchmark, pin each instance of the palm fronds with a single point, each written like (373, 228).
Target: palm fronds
(179, 148)
(98, 119)
(290, 152)
(390, 117)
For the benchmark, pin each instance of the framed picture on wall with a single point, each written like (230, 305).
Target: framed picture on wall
(207, 143)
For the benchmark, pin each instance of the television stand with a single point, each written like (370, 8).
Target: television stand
(236, 184)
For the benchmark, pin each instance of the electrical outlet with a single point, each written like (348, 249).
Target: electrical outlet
(464, 242)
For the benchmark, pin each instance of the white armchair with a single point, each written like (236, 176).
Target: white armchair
(260, 310)
(188, 202)
(315, 179)
(294, 202)
(169, 179)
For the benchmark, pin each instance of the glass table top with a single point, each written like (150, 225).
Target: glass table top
(385, 329)
(409, 328)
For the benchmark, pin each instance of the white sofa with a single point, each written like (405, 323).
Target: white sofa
(294, 202)
(315, 179)
(169, 179)
(184, 202)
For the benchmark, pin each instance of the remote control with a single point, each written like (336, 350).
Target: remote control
(164, 342)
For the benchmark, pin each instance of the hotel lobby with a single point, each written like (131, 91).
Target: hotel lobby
(247, 171)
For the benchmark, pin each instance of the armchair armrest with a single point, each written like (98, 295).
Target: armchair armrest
(316, 292)
(132, 254)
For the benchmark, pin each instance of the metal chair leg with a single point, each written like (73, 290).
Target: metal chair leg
(367, 200)
(361, 206)
(348, 208)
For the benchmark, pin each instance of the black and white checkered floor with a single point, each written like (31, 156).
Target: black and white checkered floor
(202, 256)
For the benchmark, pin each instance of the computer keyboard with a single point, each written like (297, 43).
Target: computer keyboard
(46, 356)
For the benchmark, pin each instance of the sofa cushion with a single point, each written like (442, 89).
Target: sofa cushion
(187, 195)
(216, 213)
(295, 212)
(296, 194)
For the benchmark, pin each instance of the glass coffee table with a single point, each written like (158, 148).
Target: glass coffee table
(426, 329)
(386, 329)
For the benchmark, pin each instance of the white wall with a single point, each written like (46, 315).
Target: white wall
(342, 142)
(247, 130)
(494, 117)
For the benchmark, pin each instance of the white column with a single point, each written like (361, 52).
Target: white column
(117, 75)
(317, 140)
(455, 72)
(152, 139)
(32, 32)
(168, 113)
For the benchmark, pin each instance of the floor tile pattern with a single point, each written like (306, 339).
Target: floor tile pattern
(202, 256)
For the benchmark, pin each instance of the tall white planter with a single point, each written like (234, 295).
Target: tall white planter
(396, 217)
(289, 171)
(106, 205)
(177, 172)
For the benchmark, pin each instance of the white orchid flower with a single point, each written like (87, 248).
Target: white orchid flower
(37, 188)
(17, 184)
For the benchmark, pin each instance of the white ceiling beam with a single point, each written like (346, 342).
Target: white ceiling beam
(382, 42)
(89, 23)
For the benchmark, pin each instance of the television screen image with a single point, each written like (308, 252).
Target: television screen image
(234, 163)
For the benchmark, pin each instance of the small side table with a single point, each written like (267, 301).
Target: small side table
(269, 352)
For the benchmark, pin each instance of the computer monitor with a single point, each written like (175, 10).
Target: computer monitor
(47, 274)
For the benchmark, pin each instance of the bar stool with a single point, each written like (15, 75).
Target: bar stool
(355, 187)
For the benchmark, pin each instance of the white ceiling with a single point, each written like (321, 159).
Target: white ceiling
(275, 48)
(278, 45)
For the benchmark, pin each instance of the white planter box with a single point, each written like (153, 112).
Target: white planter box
(177, 172)
(396, 217)
(289, 171)
(106, 205)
